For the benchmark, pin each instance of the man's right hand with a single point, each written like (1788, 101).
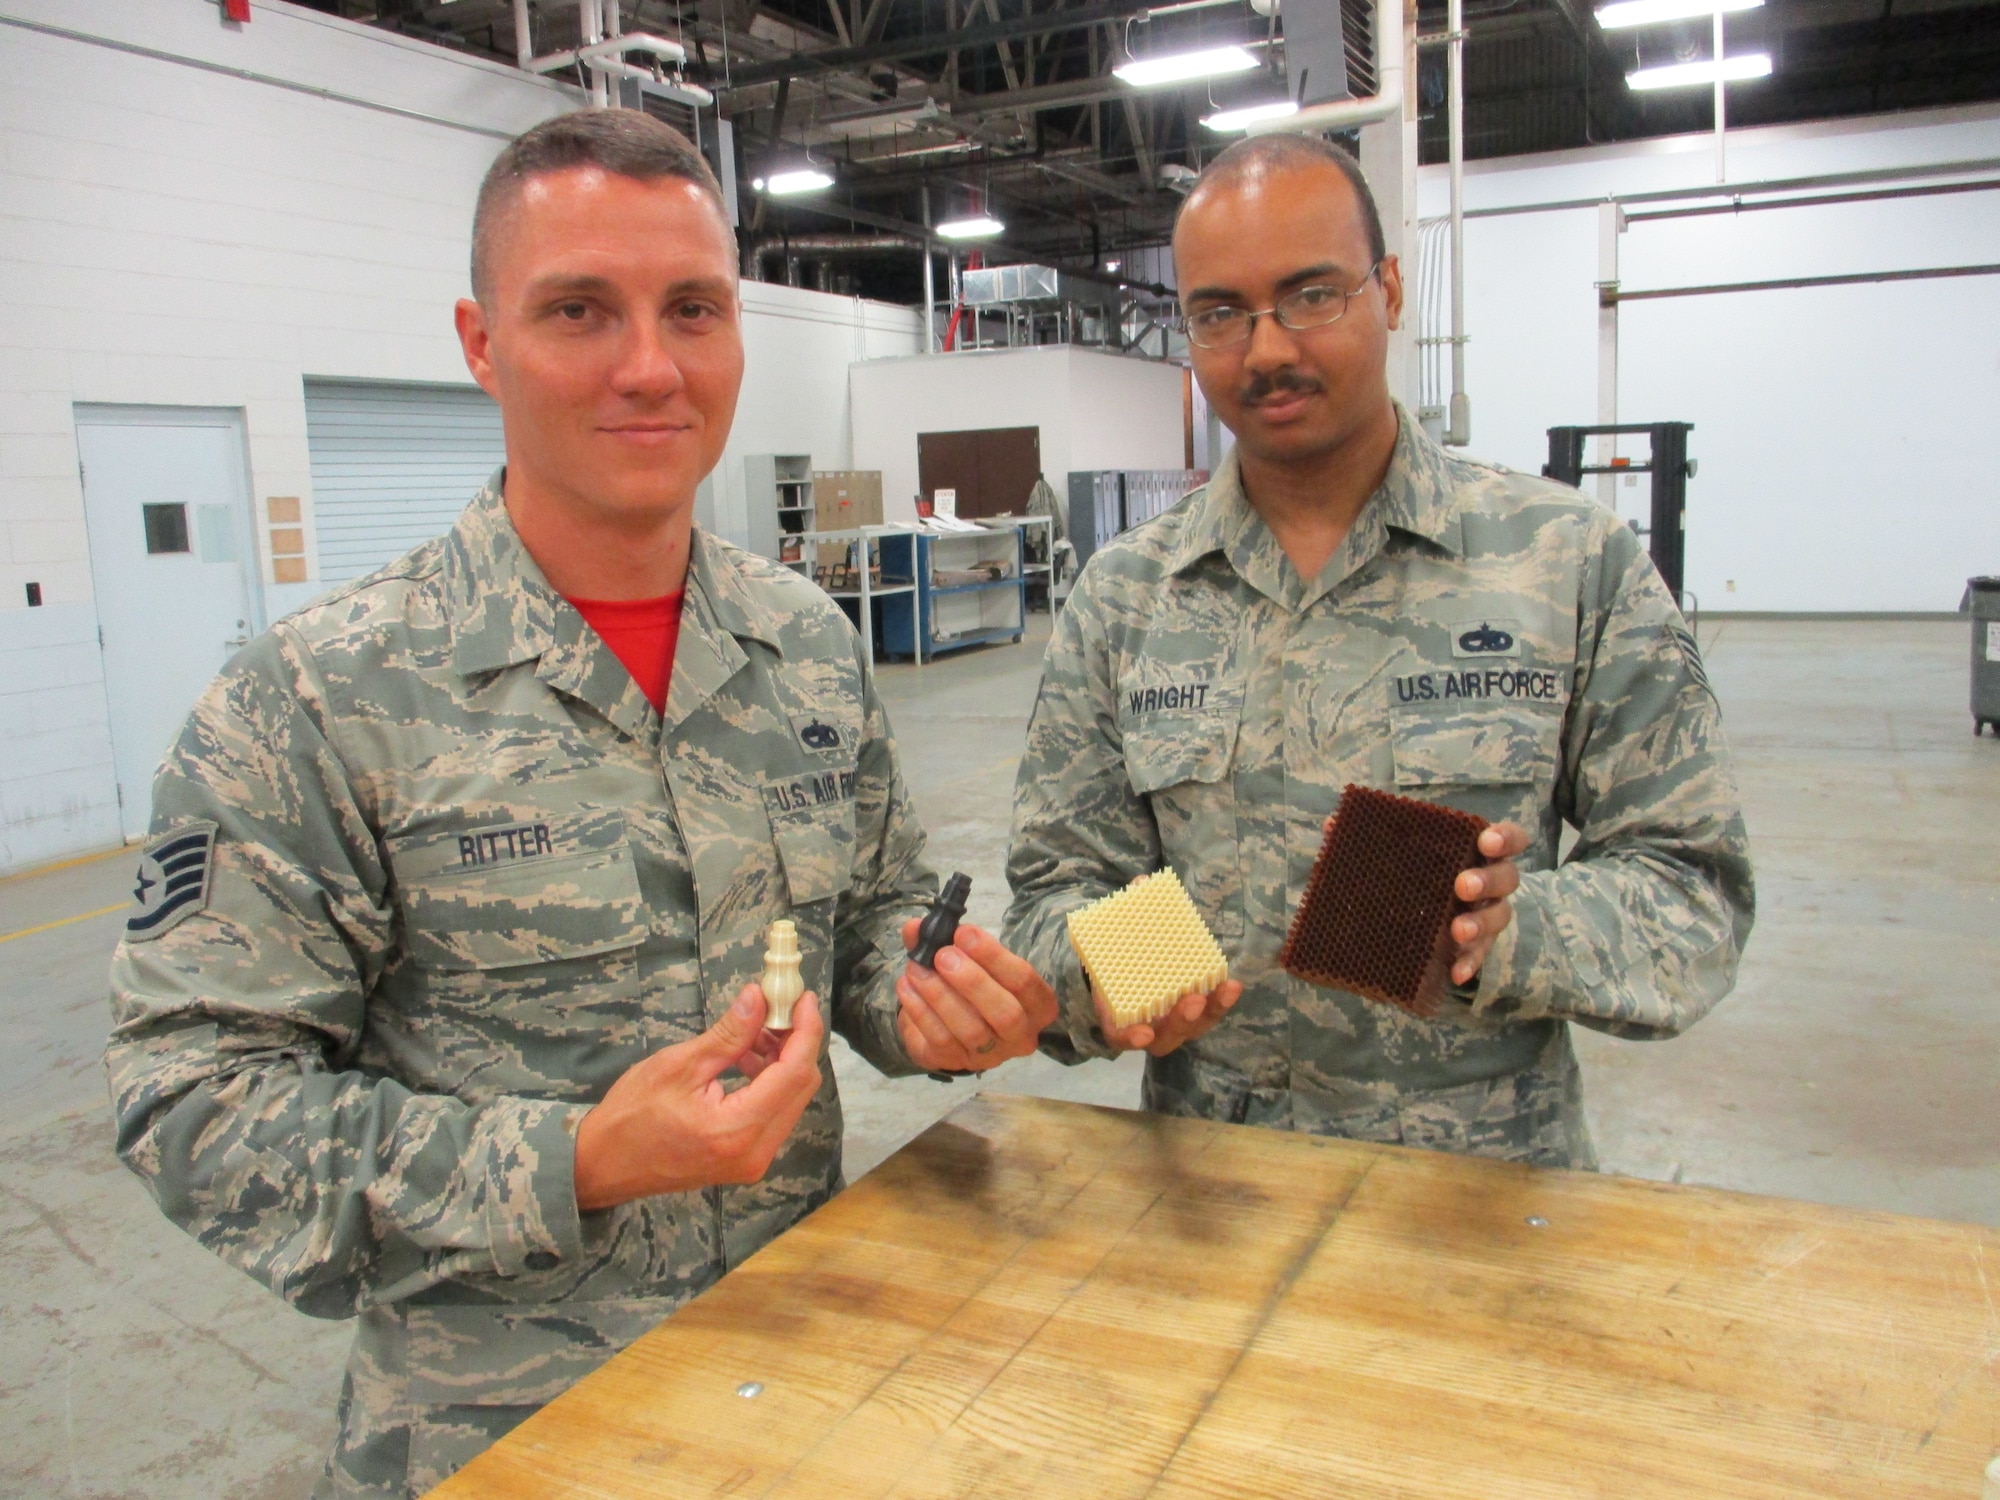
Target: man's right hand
(668, 1125)
(1193, 1014)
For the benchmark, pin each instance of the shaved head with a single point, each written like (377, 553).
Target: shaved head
(1280, 152)
(623, 142)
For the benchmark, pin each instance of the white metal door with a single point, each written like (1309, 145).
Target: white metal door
(166, 500)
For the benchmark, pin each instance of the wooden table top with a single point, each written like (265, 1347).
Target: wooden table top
(1043, 1299)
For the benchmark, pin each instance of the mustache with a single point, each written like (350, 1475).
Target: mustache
(1288, 381)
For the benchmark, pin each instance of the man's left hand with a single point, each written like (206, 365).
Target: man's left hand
(1486, 889)
(979, 1007)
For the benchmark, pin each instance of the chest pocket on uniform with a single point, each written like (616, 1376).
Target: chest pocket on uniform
(1181, 764)
(815, 838)
(510, 894)
(1496, 762)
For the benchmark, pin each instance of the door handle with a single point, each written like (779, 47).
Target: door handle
(241, 639)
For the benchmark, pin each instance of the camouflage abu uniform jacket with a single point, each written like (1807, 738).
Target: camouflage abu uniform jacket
(460, 877)
(1481, 639)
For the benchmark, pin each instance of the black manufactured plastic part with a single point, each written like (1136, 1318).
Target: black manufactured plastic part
(938, 929)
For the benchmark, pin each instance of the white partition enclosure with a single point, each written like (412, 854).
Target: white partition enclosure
(1095, 411)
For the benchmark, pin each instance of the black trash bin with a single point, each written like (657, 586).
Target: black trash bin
(1983, 597)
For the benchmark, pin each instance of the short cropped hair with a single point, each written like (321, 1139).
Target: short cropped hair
(623, 142)
(1283, 149)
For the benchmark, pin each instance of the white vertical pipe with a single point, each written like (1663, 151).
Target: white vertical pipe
(524, 44)
(590, 22)
(930, 282)
(1610, 224)
(1406, 123)
(614, 83)
(1459, 432)
(1721, 162)
(1389, 158)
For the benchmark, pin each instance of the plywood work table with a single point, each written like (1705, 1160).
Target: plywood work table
(1041, 1299)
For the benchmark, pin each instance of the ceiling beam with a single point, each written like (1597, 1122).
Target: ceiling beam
(1605, 71)
(926, 44)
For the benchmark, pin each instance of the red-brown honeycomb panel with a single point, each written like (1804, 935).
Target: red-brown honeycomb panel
(1376, 918)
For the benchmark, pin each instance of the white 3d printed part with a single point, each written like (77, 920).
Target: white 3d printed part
(1145, 947)
(782, 983)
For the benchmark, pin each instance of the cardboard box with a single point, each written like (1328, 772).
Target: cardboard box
(846, 498)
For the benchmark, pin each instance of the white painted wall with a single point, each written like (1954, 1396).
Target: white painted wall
(173, 235)
(1095, 410)
(798, 346)
(1838, 429)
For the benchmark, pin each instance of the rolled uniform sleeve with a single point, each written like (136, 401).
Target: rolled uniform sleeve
(1639, 931)
(891, 883)
(231, 1059)
(1080, 830)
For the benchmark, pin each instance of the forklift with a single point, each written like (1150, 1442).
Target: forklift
(1670, 468)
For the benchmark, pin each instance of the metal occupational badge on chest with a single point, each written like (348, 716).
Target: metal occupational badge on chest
(819, 734)
(1486, 638)
(172, 880)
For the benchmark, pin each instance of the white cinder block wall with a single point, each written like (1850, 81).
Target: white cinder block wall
(1095, 410)
(798, 346)
(173, 235)
(1841, 431)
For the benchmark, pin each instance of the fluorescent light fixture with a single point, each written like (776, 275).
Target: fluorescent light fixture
(805, 180)
(1177, 67)
(982, 226)
(1687, 75)
(1242, 119)
(1653, 12)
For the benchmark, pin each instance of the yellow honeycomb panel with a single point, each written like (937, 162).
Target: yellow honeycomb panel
(1145, 947)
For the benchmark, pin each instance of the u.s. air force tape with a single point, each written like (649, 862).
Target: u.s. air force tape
(172, 881)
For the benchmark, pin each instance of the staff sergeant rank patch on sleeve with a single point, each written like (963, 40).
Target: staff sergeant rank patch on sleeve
(1691, 656)
(172, 880)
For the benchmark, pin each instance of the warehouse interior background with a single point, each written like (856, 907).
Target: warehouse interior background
(229, 250)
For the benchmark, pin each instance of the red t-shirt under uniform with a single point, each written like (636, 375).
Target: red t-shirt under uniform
(642, 633)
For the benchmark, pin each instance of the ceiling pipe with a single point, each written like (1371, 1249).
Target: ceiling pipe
(611, 49)
(1345, 114)
(793, 246)
(524, 41)
(833, 244)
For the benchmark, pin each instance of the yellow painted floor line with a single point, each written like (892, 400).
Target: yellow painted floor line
(66, 864)
(102, 911)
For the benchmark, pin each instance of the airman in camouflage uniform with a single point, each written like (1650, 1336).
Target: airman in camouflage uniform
(437, 1003)
(1477, 638)
(463, 877)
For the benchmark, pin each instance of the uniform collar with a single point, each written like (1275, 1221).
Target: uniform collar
(504, 612)
(501, 607)
(715, 569)
(1416, 497)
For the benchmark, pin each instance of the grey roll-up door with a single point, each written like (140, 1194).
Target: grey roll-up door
(392, 466)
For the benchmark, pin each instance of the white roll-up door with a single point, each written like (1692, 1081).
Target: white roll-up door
(392, 466)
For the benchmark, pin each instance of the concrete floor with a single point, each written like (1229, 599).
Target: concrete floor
(1858, 1062)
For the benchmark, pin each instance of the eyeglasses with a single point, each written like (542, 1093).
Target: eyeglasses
(1308, 307)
